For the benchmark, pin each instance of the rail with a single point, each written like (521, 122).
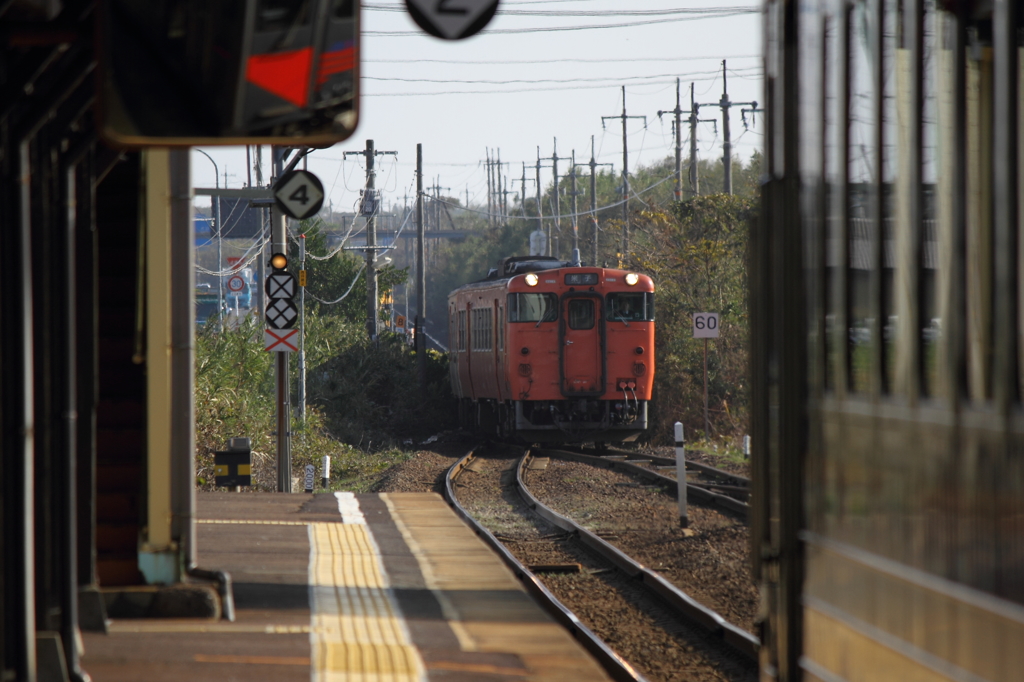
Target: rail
(615, 665)
(738, 638)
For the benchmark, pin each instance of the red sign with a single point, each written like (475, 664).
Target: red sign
(281, 340)
(234, 262)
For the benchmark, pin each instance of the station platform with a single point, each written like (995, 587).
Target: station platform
(346, 587)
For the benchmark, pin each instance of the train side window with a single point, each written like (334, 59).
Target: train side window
(532, 307)
(501, 327)
(938, 178)
(581, 313)
(835, 202)
(892, 77)
(462, 331)
(861, 198)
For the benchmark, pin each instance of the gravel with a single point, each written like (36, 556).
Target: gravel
(612, 604)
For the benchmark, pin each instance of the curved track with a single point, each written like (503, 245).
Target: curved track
(674, 600)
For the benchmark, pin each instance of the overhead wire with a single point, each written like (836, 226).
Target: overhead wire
(550, 29)
(575, 60)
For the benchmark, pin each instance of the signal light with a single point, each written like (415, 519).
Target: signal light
(279, 262)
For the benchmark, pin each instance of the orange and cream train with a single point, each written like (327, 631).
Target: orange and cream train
(545, 351)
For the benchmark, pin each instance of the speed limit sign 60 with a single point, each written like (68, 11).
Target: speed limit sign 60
(705, 325)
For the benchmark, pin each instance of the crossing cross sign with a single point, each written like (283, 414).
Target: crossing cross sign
(280, 285)
(452, 19)
(281, 313)
(281, 340)
(299, 194)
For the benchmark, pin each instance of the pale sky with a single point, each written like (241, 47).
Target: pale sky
(525, 89)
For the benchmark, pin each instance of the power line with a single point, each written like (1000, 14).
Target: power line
(548, 29)
(549, 80)
(521, 90)
(747, 9)
(553, 61)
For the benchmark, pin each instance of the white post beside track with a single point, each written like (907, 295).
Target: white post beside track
(746, 447)
(684, 519)
(325, 472)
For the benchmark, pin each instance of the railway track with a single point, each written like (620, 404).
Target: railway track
(698, 474)
(588, 584)
(709, 485)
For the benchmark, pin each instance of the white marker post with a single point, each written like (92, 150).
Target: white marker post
(684, 519)
(746, 447)
(325, 472)
(310, 473)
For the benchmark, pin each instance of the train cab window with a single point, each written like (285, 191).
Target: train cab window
(580, 313)
(631, 306)
(532, 308)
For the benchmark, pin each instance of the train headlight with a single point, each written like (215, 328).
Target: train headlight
(632, 278)
(531, 280)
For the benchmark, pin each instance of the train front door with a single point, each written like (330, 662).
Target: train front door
(582, 356)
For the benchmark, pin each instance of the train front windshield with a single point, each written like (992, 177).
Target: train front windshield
(532, 307)
(631, 306)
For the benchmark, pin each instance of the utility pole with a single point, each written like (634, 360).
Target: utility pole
(678, 191)
(725, 104)
(575, 223)
(522, 192)
(558, 212)
(540, 211)
(504, 201)
(261, 260)
(499, 189)
(556, 228)
(694, 119)
(421, 277)
(372, 294)
(625, 172)
(593, 193)
(490, 191)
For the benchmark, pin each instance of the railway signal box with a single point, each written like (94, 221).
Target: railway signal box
(233, 467)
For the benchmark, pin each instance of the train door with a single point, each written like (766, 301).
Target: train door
(582, 346)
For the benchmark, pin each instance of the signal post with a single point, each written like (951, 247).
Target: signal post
(299, 195)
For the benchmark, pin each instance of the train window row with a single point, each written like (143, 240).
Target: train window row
(482, 330)
(902, 200)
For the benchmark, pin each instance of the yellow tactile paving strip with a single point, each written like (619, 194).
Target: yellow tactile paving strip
(357, 634)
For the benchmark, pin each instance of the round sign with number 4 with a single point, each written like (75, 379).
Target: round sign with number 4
(705, 325)
(299, 194)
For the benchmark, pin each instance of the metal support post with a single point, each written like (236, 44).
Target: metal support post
(279, 239)
(625, 172)
(372, 295)
(725, 105)
(421, 277)
(302, 330)
(593, 194)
